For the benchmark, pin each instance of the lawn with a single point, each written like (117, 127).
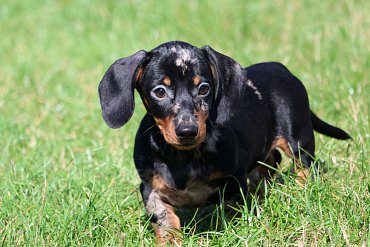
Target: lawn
(66, 179)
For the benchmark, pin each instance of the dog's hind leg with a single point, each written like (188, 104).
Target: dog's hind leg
(264, 172)
(300, 149)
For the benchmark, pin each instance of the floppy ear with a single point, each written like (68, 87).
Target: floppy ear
(116, 89)
(230, 82)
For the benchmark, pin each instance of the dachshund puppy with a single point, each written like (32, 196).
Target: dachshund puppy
(209, 123)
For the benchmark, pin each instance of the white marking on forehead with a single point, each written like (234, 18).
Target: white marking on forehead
(255, 89)
(183, 56)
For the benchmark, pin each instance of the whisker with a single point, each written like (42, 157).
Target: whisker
(146, 130)
(156, 133)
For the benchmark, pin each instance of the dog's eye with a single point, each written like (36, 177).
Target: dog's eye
(159, 92)
(203, 89)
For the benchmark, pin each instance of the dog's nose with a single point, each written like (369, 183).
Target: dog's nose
(187, 132)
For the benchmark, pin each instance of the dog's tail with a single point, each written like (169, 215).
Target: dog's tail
(327, 129)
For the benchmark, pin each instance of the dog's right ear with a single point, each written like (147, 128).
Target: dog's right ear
(116, 89)
(230, 82)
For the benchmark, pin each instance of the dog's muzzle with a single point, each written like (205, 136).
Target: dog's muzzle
(186, 128)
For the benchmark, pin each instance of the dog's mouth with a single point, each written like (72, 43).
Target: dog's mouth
(182, 143)
(184, 146)
(187, 144)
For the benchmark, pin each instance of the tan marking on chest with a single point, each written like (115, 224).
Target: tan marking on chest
(195, 193)
(215, 175)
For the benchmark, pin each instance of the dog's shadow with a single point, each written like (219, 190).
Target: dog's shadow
(205, 219)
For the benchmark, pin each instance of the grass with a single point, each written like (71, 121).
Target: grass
(67, 179)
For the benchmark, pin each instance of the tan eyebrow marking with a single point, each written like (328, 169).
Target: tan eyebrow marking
(196, 80)
(167, 81)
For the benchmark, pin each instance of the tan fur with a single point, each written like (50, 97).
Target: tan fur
(167, 81)
(196, 80)
(301, 171)
(195, 193)
(214, 72)
(169, 229)
(139, 74)
(168, 130)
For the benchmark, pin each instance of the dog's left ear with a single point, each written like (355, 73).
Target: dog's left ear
(230, 82)
(116, 89)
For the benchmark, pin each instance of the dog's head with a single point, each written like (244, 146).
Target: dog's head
(182, 87)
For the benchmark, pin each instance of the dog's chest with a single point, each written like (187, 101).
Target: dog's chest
(196, 192)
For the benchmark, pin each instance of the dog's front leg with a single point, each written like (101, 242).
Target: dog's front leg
(165, 222)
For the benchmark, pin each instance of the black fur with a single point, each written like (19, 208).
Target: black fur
(116, 90)
(209, 124)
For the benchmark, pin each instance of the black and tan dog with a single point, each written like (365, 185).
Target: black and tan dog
(208, 124)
